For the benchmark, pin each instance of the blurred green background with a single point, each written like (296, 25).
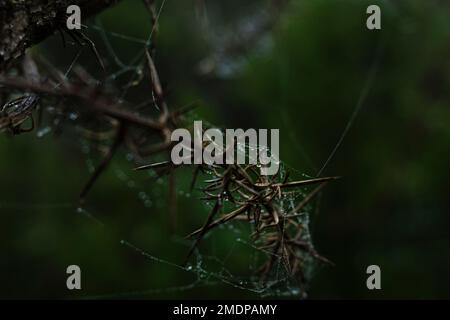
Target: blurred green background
(304, 73)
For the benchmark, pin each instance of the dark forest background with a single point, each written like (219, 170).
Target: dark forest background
(304, 76)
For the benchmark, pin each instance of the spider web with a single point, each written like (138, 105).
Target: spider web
(206, 268)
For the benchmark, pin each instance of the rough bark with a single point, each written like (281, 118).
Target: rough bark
(24, 23)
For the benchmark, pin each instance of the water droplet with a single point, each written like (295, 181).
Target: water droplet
(42, 132)
(295, 291)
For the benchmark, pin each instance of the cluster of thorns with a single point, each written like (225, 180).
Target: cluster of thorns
(266, 203)
(263, 201)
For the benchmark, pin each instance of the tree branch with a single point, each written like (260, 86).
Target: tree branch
(24, 23)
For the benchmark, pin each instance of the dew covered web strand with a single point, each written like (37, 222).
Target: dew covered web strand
(368, 84)
(136, 65)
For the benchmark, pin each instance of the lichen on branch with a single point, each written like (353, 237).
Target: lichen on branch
(24, 23)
